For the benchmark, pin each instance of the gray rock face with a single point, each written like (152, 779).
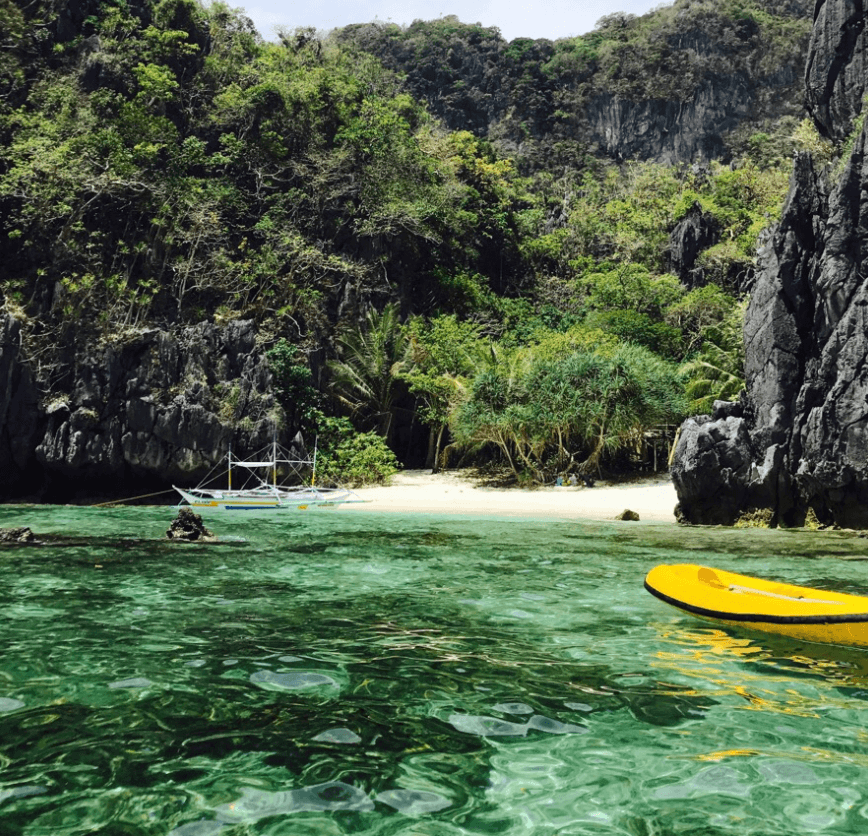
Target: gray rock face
(804, 441)
(696, 232)
(711, 468)
(835, 72)
(149, 409)
(19, 399)
(672, 131)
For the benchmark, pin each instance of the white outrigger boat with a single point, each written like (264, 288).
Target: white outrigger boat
(256, 493)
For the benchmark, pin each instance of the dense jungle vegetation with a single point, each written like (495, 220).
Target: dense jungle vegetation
(161, 164)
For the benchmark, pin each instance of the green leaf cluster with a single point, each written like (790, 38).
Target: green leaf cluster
(348, 457)
(568, 413)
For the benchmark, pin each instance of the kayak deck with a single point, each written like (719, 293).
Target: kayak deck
(797, 611)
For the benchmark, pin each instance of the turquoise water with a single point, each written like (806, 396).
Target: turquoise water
(353, 672)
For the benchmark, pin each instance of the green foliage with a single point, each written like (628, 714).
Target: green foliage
(365, 377)
(806, 137)
(441, 355)
(348, 457)
(573, 55)
(639, 328)
(745, 200)
(717, 371)
(631, 287)
(640, 57)
(697, 311)
(569, 411)
(292, 383)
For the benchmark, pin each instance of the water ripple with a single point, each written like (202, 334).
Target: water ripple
(294, 681)
(258, 804)
(413, 802)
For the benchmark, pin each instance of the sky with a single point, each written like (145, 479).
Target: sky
(515, 18)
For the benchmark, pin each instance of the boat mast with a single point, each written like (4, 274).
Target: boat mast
(313, 471)
(274, 459)
(230, 465)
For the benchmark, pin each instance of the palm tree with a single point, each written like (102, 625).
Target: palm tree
(717, 372)
(364, 375)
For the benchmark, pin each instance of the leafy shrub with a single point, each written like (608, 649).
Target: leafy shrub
(348, 457)
(570, 410)
(640, 329)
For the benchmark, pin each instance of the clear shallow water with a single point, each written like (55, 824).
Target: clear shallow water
(382, 674)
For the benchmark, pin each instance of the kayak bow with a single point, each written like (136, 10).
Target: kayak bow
(797, 611)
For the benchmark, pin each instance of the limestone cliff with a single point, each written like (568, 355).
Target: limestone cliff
(681, 83)
(836, 67)
(801, 443)
(152, 408)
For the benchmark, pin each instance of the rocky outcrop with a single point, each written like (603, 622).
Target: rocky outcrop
(16, 535)
(188, 527)
(836, 67)
(19, 406)
(146, 409)
(802, 445)
(711, 468)
(696, 232)
(673, 130)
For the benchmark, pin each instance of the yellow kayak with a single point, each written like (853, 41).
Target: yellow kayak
(800, 612)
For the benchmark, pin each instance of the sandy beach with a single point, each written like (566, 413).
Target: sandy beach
(419, 491)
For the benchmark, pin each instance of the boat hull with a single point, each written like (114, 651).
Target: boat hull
(767, 606)
(300, 501)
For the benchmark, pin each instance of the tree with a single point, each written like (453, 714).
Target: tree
(570, 411)
(365, 375)
(717, 371)
(441, 355)
(292, 382)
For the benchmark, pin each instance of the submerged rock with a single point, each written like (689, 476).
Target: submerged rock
(188, 526)
(628, 515)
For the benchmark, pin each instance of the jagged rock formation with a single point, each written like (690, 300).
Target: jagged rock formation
(702, 83)
(836, 68)
(696, 232)
(152, 408)
(802, 443)
(16, 535)
(18, 407)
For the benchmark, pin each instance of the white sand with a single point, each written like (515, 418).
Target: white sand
(419, 491)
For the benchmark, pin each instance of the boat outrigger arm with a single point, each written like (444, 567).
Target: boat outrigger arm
(260, 492)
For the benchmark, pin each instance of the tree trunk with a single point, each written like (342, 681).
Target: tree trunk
(436, 468)
(431, 456)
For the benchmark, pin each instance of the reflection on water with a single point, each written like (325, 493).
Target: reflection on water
(383, 674)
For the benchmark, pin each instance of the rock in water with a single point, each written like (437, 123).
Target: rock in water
(188, 526)
(627, 514)
(16, 535)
